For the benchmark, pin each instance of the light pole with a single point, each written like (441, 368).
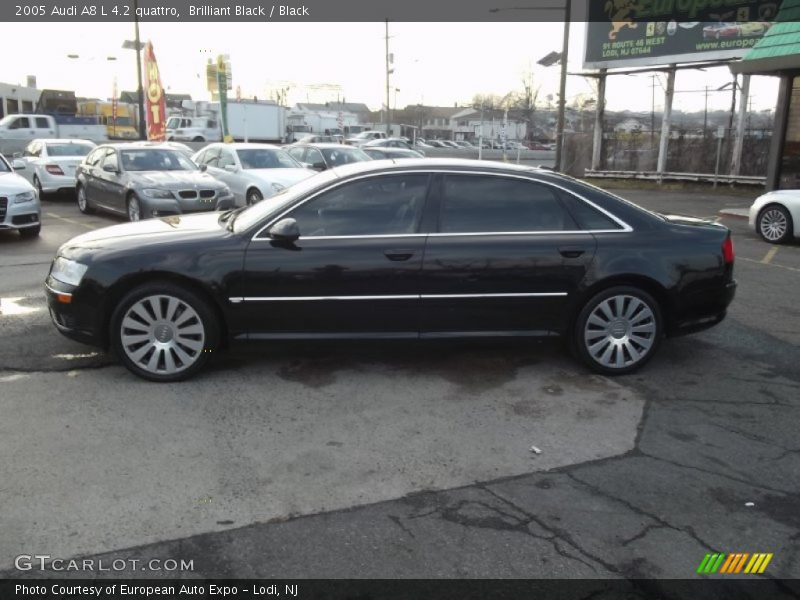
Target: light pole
(137, 45)
(551, 59)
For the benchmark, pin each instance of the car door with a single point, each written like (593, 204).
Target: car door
(110, 192)
(355, 269)
(505, 258)
(43, 127)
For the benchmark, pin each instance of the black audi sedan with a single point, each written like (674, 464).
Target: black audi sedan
(429, 248)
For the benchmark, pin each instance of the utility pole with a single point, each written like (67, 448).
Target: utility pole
(666, 122)
(388, 115)
(705, 114)
(652, 110)
(562, 99)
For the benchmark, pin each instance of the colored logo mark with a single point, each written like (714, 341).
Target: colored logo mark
(739, 562)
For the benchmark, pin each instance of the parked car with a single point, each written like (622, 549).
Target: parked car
(775, 216)
(463, 144)
(366, 136)
(146, 181)
(325, 156)
(388, 143)
(20, 209)
(511, 251)
(252, 171)
(435, 144)
(449, 144)
(50, 163)
(422, 143)
(384, 153)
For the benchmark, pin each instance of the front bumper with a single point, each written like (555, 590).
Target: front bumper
(162, 207)
(19, 216)
(73, 319)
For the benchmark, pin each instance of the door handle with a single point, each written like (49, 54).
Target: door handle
(398, 255)
(571, 251)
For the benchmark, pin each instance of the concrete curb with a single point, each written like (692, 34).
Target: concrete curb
(736, 213)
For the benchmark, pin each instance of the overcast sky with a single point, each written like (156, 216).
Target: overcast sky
(435, 63)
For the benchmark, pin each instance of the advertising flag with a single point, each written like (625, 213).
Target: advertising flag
(155, 102)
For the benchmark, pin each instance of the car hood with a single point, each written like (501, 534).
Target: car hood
(138, 236)
(285, 177)
(11, 183)
(174, 180)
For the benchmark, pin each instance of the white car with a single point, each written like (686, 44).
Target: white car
(775, 216)
(252, 171)
(19, 202)
(50, 164)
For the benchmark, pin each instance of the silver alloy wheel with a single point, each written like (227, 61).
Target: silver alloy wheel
(620, 331)
(253, 197)
(162, 334)
(82, 199)
(773, 224)
(134, 214)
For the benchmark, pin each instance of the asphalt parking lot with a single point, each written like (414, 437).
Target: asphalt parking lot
(408, 460)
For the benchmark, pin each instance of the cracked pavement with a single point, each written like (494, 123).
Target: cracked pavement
(409, 461)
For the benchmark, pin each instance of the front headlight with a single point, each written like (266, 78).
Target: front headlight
(155, 193)
(68, 271)
(226, 191)
(278, 188)
(24, 197)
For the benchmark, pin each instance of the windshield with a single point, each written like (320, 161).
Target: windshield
(173, 123)
(70, 149)
(156, 160)
(260, 211)
(266, 158)
(344, 155)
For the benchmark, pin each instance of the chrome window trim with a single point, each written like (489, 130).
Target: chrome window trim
(240, 299)
(625, 228)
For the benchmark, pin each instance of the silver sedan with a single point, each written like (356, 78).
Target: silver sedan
(50, 163)
(252, 171)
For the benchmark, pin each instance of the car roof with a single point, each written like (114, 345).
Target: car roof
(322, 145)
(64, 141)
(246, 146)
(436, 164)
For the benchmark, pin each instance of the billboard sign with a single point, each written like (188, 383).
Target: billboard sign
(629, 33)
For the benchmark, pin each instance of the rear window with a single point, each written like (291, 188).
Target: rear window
(587, 216)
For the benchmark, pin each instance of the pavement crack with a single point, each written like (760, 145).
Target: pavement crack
(396, 520)
(642, 533)
(641, 512)
(749, 482)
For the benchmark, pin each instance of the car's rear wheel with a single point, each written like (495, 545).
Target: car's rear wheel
(253, 196)
(134, 209)
(618, 330)
(38, 185)
(83, 201)
(774, 224)
(164, 332)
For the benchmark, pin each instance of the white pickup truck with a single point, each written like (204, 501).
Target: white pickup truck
(17, 131)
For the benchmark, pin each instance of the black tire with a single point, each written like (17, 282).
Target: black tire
(30, 232)
(774, 224)
(38, 185)
(83, 201)
(198, 139)
(598, 346)
(205, 344)
(133, 208)
(253, 197)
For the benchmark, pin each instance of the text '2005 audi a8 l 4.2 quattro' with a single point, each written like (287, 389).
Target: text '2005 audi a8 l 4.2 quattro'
(430, 248)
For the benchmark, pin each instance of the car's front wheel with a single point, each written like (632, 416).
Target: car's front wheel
(164, 332)
(253, 196)
(618, 330)
(774, 224)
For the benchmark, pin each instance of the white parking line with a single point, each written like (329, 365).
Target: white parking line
(72, 221)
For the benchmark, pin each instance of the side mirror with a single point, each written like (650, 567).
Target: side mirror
(285, 230)
(110, 169)
(203, 168)
(231, 168)
(16, 155)
(320, 166)
(18, 164)
(307, 165)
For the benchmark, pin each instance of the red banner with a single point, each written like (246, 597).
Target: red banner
(156, 105)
